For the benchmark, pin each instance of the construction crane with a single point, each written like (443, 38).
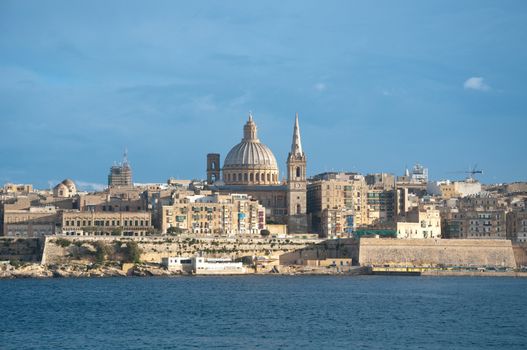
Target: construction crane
(471, 172)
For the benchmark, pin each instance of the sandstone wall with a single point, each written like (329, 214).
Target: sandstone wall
(436, 252)
(22, 249)
(155, 248)
(329, 249)
(520, 254)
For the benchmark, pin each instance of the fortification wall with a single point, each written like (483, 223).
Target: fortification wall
(329, 249)
(153, 249)
(21, 249)
(436, 252)
(520, 254)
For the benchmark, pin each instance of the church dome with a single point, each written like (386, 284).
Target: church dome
(250, 153)
(250, 162)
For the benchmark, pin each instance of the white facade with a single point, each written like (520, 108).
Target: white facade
(204, 266)
(428, 225)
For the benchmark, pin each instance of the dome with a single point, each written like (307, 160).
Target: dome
(70, 185)
(250, 162)
(61, 190)
(254, 154)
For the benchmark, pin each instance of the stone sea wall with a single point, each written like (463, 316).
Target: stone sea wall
(20, 249)
(153, 249)
(436, 252)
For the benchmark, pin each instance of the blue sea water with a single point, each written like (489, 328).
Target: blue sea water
(264, 312)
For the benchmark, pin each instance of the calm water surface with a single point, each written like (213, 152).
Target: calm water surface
(264, 312)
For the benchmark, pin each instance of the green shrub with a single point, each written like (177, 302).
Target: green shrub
(62, 242)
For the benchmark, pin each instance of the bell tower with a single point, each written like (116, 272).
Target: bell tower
(296, 184)
(213, 168)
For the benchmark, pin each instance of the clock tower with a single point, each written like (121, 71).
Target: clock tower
(296, 184)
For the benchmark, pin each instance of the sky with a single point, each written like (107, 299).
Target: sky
(378, 86)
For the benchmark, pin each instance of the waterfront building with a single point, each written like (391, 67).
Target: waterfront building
(30, 222)
(478, 216)
(421, 222)
(517, 225)
(250, 167)
(381, 204)
(83, 223)
(203, 266)
(336, 200)
(219, 214)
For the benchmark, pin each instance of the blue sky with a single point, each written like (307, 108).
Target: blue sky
(377, 85)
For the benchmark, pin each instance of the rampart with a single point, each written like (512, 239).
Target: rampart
(436, 252)
(153, 249)
(20, 249)
(329, 249)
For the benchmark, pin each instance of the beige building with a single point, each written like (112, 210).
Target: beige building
(422, 222)
(381, 207)
(454, 189)
(65, 189)
(250, 167)
(333, 197)
(10, 188)
(517, 226)
(32, 222)
(218, 214)
(80, 223)
(478, 216)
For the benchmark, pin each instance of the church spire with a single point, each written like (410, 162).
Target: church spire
(296, 146)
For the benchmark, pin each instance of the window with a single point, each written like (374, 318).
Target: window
(297, 171)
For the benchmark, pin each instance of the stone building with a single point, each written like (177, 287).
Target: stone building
(381, 207)
(30, 222)
(81, 223)
(421, 222)
(478, 216)
(337, 202)
(65, 189)
(218, 214)
(250, 167)
(517, 225)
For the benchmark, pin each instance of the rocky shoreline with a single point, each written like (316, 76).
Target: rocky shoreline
(36, 270)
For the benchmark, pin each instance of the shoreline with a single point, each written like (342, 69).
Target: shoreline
(38, 271)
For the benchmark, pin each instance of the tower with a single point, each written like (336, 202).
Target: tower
(213, 168)
(296, 184)
(121, 174)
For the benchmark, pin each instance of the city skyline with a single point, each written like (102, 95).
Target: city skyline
(377, 88)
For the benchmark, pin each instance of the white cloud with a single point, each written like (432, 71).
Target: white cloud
(476, 83)
(89, 186)
(320, 87)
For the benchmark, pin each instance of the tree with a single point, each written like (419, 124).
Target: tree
(174, 231)
(117, 232)
(133, 252)
(102, 251)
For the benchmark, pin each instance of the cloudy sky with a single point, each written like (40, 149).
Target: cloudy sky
(377, 86)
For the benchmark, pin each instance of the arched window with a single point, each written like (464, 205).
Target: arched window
(245, 177)
(268, 177)
(251, 177)
(297, 171)
(213, 165)
(258, 177)
(239, 177)
(298, 209)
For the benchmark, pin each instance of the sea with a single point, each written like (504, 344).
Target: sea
(264, 312)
